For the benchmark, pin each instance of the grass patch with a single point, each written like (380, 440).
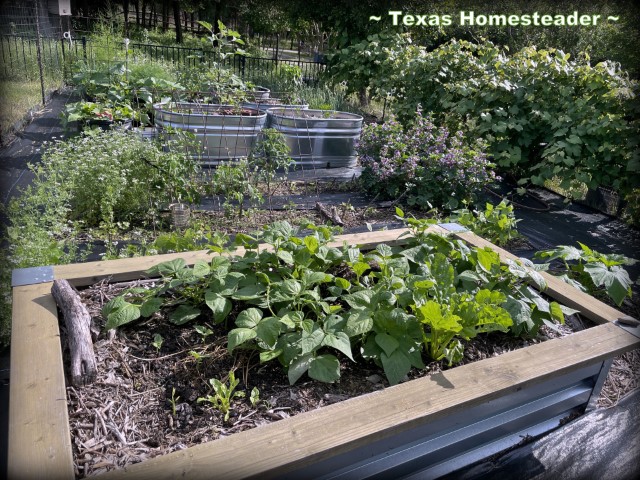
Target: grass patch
(19, 97)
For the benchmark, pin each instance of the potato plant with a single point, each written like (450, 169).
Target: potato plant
(310, 306)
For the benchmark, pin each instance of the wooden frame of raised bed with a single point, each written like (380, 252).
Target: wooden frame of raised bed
(432, 425)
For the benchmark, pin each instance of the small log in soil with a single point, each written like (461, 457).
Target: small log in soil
(78, 322)
(330, 214)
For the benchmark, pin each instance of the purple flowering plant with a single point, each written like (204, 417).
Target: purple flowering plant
(423, 164)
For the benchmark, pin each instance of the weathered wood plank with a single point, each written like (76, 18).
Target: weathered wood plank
(590, 307)
(274, 449)
(40, 441)
(82, 274)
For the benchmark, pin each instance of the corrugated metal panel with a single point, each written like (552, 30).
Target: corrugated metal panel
(466, 436)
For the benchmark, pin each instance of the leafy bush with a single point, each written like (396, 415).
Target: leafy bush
(102, 178)
(496, 223)
(424, 163)
(306, 303)
(543, 114)
(592, 272)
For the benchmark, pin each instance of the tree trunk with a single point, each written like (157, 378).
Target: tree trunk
(144, 13)
(125, 9)
(78, 322)
(136, 5)
(176, 19)
(165, 15)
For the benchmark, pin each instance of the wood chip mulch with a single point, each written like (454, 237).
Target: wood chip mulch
(145, 400)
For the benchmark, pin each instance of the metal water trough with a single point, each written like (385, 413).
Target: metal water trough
(318, 137)
(220, 137)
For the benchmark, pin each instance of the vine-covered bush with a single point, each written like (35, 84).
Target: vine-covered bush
(423, 163)
(543, 113)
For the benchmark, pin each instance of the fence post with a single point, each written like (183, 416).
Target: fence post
(84, 47)
(243, 61)
(39, 51)
(64, 61)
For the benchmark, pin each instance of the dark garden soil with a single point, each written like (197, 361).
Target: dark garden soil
(132, 412)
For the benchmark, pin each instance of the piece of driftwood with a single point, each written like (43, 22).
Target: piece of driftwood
(330, 214)
(78, 322)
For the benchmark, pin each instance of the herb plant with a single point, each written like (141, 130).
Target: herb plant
(423, 163)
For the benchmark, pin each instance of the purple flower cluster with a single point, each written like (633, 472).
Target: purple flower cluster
(426, 162)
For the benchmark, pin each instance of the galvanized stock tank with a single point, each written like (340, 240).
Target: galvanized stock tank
(222, 133)
(320, 138)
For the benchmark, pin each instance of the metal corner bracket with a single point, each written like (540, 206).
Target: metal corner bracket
(31, 276)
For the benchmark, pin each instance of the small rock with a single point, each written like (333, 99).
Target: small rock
(374, 378)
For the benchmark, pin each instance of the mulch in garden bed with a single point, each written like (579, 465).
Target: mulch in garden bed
(145, 400)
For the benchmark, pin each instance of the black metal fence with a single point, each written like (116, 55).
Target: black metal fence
(20, 58)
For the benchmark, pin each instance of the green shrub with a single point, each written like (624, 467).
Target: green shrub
(102, 179)
(543, 114)
(425, 164)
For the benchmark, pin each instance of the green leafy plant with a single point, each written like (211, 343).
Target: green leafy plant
(254, 397)
(203, 331)
(496, 223)
(309, 305)
(223, 395)
(422, 163)
(543, 113)
(173, 401)
(591, 271)
(269, 157)
(157, 342)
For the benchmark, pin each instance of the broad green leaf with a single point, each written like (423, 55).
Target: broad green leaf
(219, 305)
(396, 366)
(384, 249)
(121, 315)
(183, 314)
(291, 287)
(298, 367)
(310, 341)
(556, 312)
(615, 280)
(487, 259)
(360, 299)
(269, 355)
(150, 306)
(360, 267)
(168, 268)
(325, 368)
(268, 330)
(342, 283)
(249, 318)
(339, 341)
(359, 323)
(201, 269)
(250, 292)
(387, 343)
(286, 257)
(311, 243)
(238, 336)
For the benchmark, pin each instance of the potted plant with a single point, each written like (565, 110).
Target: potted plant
(223, 131)
(324, 138)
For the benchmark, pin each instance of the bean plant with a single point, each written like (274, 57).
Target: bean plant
(296, 299)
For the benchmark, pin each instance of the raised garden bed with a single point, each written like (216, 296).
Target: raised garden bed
(430, 425)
